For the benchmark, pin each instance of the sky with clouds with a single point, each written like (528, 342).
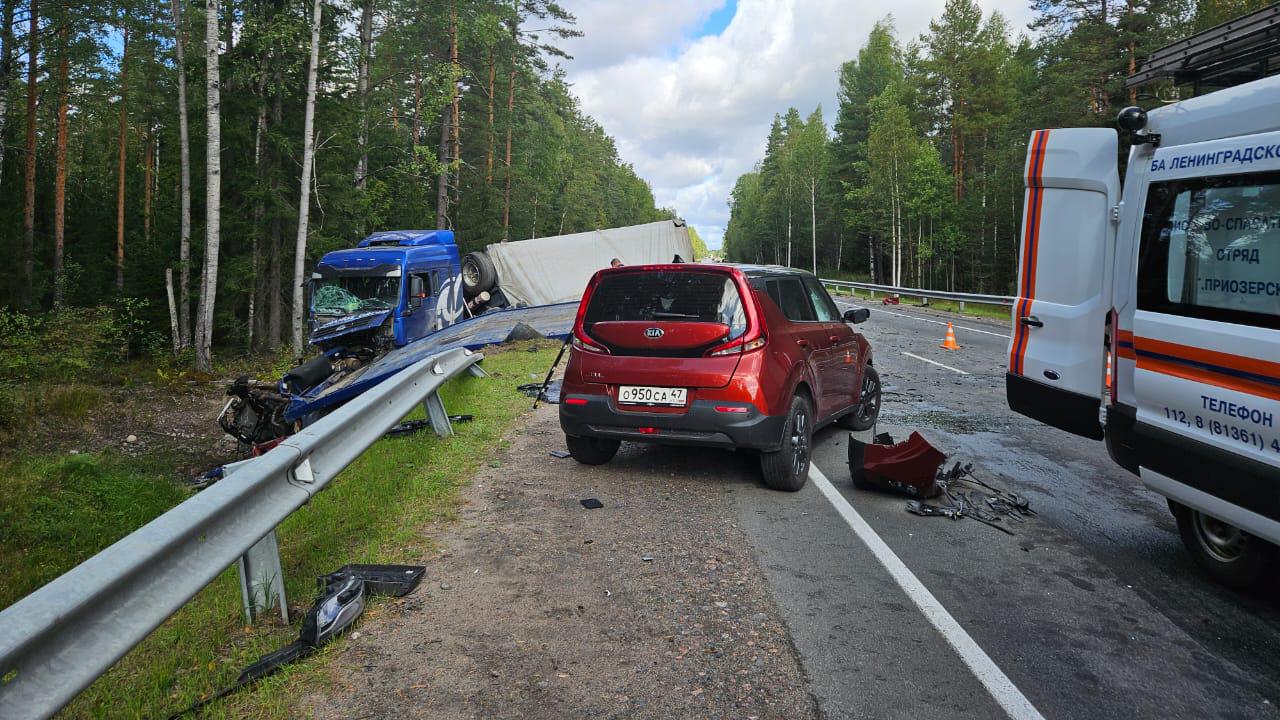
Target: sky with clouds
(688, 87)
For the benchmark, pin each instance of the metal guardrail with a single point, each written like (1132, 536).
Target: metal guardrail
(961, 298)
(60, 638)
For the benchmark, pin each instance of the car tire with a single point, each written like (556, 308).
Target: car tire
(788, 467)
(592, 451)
(1227, 554)
(864, 416)
(478, 274)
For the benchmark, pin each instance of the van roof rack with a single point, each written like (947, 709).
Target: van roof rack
(1233, 53)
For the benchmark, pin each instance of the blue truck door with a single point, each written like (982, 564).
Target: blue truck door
(418, 306)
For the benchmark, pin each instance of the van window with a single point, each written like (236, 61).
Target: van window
(680, 296)
(1211, 249)
(791, 298)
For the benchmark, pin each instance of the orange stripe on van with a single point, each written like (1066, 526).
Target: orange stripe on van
(1225, 370)
(1030, 249)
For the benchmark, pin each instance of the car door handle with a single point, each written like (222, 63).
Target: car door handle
(802, 343)
(835, 339)
(1031, 321)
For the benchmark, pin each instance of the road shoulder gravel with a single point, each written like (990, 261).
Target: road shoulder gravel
(650, 607)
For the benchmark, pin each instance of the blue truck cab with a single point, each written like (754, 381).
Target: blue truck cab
(393, 288)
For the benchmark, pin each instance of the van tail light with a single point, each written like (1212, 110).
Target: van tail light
(754, 337)
(1112, 369)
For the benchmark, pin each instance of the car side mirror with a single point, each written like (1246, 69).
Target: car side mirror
(856, 315)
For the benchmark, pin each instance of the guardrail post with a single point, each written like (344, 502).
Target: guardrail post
(437, 415)
(262, 579)
(924, 301)
(961, 306)
(476, 370)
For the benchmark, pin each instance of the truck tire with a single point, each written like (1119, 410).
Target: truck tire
(787, 468)
(478, 274)
(592, 451)
(1227, 554)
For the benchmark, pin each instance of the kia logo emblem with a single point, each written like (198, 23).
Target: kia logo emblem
(653, 333)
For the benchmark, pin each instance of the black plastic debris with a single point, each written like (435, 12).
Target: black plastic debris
(562, 454)
(341, 599)
(409, 427)
(591, 504)
(550, 395)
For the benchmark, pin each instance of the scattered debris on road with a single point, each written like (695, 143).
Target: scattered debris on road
(912, 468)
(591, 504)
(340, 600)
(409, 427)
(562, 454)
(909, 467)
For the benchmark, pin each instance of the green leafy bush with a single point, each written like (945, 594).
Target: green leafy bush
(75, 343)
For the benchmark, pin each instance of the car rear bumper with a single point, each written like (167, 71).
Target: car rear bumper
(701, 425)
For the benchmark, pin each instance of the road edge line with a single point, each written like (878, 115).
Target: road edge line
(934, 362)
(996, 683)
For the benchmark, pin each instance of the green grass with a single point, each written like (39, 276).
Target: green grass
(64, 509)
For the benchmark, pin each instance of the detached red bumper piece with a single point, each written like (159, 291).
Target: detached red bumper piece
(909, 467)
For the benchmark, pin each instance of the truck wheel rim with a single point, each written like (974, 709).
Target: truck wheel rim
(799, 443)
(471, 274)
(1221, 541)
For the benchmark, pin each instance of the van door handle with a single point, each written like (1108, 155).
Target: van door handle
(802, 343)
(835, 339)
(1031, 321)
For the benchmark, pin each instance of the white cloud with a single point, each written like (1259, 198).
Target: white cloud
(692, 113)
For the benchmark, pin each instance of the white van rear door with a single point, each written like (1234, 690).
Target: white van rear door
(1056, 351)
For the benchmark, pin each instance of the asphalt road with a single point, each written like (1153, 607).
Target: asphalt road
(1092, 610)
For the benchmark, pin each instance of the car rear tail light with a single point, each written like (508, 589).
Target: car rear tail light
(580, 339)
(730, 409)
(737, 347)
(647, 430)
(575, 401)
(587, 346)
(754, 337)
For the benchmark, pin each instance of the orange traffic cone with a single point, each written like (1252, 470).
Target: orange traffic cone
(950, 342)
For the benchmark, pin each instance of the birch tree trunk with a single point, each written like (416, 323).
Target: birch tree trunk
(213, 190)
(184, 155)
(60, 179)
(304, 199)
(29, 179)
(813, 219)
(173, 312)
(362, 88)
(122, 158)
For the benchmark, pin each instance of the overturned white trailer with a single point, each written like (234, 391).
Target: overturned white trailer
(556, 269)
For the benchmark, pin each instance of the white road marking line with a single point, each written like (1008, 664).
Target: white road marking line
(931, 362)
(935, 322)
(1002, 689)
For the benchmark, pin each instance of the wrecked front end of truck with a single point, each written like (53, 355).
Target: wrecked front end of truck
(352, 322)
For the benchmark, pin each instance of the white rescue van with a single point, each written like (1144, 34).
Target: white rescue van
(1173, 280)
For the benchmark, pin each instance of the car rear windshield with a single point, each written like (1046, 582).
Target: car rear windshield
(679, 296)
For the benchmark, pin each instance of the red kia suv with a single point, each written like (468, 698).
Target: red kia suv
(732, 356)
